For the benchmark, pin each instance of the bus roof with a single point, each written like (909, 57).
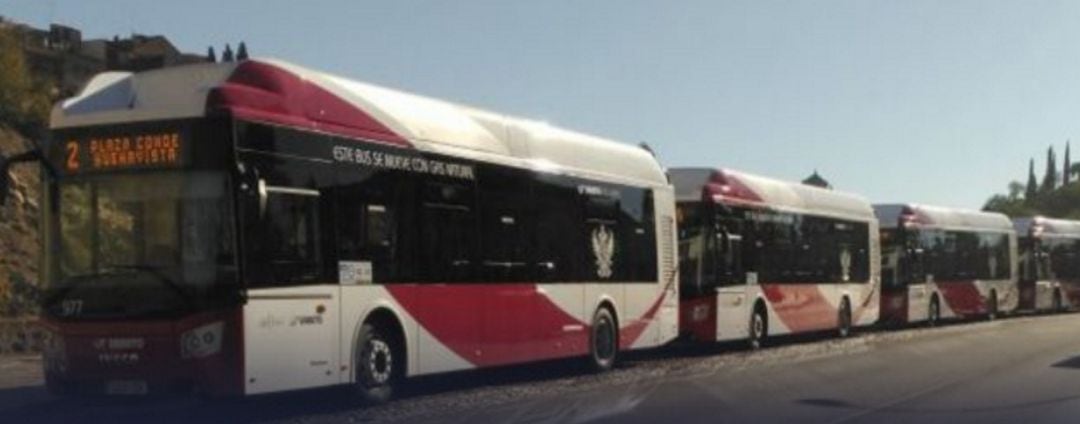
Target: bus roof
(281, 93)
(739, 188)
(941, 217)
(1043, 227)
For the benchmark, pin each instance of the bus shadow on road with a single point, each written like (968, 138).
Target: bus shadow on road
(1073, 362)
(34, 405)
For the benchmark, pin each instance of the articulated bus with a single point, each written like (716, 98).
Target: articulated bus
(760, 257)
(940, 263)
(1049, 263)
(256, 227)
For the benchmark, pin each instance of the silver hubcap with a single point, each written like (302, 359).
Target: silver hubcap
(380, 362)
(759, 326)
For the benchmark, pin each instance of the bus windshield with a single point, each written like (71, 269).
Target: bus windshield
(141, 244)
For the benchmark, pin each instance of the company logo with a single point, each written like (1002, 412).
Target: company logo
(306, 320)
(845, 264)
(603, 245)
(270, 321)
(133, 343)
(118, 358)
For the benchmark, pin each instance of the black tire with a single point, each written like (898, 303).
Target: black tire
(759, 328)
(1059, 302)
(933, 315)
(843, 327)
(603, 341)
(379, 365)
(992, 306)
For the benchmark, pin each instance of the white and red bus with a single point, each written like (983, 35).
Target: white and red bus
(1049, 263)
(256, 227)
(760, 257)
(940, 263)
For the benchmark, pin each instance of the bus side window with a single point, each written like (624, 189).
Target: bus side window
(559, 250)
(447, 228)
(366, 228)
(506, 225)
(286, 246)
(732, 273)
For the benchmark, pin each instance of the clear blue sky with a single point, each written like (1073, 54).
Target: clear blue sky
(929, 101)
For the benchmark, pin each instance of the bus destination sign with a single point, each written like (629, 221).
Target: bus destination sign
(163, 149)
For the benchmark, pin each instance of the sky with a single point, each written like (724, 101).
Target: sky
(938, 102)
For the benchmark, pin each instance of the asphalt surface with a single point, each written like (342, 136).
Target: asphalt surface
(1024, 369)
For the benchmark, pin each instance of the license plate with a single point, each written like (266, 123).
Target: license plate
(125, 387)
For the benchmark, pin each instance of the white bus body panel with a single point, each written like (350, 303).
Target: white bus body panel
(288, 343)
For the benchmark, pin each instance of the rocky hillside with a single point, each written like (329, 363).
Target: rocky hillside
(19, 241)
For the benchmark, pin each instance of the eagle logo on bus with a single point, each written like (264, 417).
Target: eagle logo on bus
(603, 246)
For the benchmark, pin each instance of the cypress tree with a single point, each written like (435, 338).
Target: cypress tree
(1050, 178)
(210, 55)
(227, 54)
(241, 52)
(1065, 172)
(1032, 186)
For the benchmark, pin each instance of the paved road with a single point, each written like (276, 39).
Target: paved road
(1015, 370)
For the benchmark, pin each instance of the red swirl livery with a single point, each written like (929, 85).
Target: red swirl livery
(760, 257)
(255, 227)
(1049, 263)
(941, 263)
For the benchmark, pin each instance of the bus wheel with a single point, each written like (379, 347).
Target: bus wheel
(933, 316)
(844, 319)
(604, 341)
(1059, 304)
(992, 306)
(759, 327)
(377, 366)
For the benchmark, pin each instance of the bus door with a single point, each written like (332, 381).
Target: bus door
(292, 313)
(894, 285)
(726, 273)
(917, 282)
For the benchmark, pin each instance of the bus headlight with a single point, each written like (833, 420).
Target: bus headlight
(202, 341)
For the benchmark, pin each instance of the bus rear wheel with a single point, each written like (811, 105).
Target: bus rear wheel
(378, 366)
(933, 316)
(603, 341)
(759, 328)
(844, 319)
(992, 306)
(1058, 303)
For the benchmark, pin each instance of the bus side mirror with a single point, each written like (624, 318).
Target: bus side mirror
(261, 191)
(5, 167)
(252, 182)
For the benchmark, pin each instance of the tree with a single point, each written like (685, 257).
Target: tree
(1066, 171)
(24, 102)
(241, 52)
(227, 54)
(210, 55)
(1049, 182)
(1015, 190)
(1032, 186)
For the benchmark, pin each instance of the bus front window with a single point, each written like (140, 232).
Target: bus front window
(139, 244)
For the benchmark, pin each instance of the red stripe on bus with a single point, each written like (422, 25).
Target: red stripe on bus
(800, 307)
(499, 324)
(264, 92)
(963, 297)
(697, 318)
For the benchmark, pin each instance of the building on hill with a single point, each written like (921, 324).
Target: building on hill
(145, 52)
(817, 180)
(60, 54)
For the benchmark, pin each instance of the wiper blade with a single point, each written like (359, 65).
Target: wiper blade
(159, 276)
(58, 293)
